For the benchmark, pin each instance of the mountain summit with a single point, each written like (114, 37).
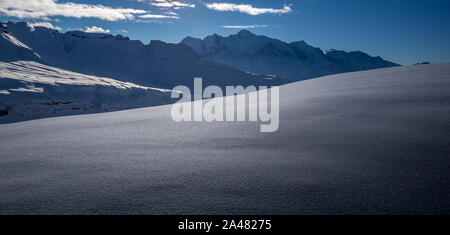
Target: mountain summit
(245, 34)
(294, 61)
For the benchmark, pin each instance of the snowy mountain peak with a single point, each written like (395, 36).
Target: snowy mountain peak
(327, 51)
(23, 25)
(301, 43)
(11, 48)
(194, 43)
(294, 61)
(85, 35)
(245, 34)
(210, 37)
(158, 43)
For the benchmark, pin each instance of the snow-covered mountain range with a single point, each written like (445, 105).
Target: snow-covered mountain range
(157, 64)
(46, 73)
(294, 61)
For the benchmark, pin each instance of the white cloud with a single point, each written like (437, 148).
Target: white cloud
(43, 9)
(247, 8)
(44, 24)
(157, 16)
(168, 3)
(95, 29)
(244, 26)
(166, 8)
(171, 13)
(148, 21)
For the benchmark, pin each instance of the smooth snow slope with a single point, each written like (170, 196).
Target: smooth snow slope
(30, 90)
(368, 142)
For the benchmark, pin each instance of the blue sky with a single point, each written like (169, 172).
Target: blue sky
(403, 31)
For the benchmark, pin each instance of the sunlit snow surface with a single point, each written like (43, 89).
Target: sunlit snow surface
(370, 142)
(33, 72)
(30, 90)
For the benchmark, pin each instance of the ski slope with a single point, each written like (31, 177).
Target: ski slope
(371, 142)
